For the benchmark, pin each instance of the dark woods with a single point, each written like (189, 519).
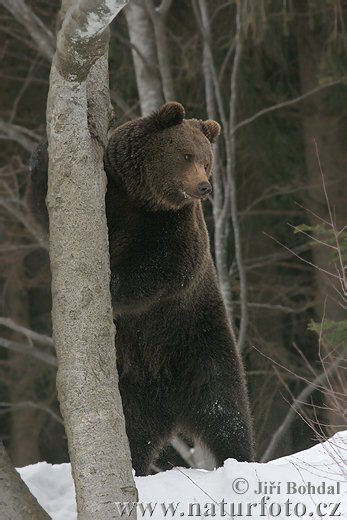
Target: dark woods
(274, 75)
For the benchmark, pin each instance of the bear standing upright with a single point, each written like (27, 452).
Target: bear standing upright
(179, 370)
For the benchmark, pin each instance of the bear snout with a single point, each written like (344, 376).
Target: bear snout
(204, 189)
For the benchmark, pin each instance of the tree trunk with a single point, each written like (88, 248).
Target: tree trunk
(78, 113)
(16, 501)
(144, 53)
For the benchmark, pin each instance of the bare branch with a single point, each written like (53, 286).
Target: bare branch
(164, 7)
(299, 402)
(41, 339)
(23, 219)
(284, 104)
(26, 138)
(129, 112)
(342, 271)
(42, 37)
(30, 404)
(302, 259)
(14, 346)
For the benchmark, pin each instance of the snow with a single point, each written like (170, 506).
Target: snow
(311, 484)
(96, 21)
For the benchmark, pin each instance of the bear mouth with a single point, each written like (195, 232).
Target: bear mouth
(191, 196)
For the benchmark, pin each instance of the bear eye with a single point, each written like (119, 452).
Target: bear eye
(207, 166)
(188, 156)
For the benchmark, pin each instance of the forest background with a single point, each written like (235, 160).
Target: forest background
(273, 72)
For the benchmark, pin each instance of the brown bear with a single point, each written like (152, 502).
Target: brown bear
(179, 371)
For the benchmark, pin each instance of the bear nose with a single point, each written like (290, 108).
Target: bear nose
(204, 188)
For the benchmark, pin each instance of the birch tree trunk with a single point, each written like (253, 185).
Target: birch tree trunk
(16, 501)
(145, 59)
(225, 190)
(77, 118)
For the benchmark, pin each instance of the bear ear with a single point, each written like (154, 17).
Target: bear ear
(170, 114)
(211, 129)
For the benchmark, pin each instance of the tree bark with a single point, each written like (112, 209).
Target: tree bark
(16, 501)
(78, 113)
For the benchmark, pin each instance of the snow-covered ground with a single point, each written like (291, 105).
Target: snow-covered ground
(311, 484)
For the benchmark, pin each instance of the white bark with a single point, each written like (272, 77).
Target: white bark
(16, 501)
(225, 200)
(83, 332)
(158, 16)
(144, 53)
(231, 184)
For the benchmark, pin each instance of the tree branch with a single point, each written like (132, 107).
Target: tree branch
(26, 138)
(21, 405)
(42, 37)
(41, 339)
(297, 405)
(14, 346)
(284, 104)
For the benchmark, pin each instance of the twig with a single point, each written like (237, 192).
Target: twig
(26, 138)
(285, 104)
(30, 404)
(41, 339)
(42, 36)
(296, 405)
(14, 346)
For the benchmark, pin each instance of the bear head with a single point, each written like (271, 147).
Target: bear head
(163, 160)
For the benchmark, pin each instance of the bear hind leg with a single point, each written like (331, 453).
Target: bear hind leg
(224, 429)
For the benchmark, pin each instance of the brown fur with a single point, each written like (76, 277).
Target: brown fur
(178, 368)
